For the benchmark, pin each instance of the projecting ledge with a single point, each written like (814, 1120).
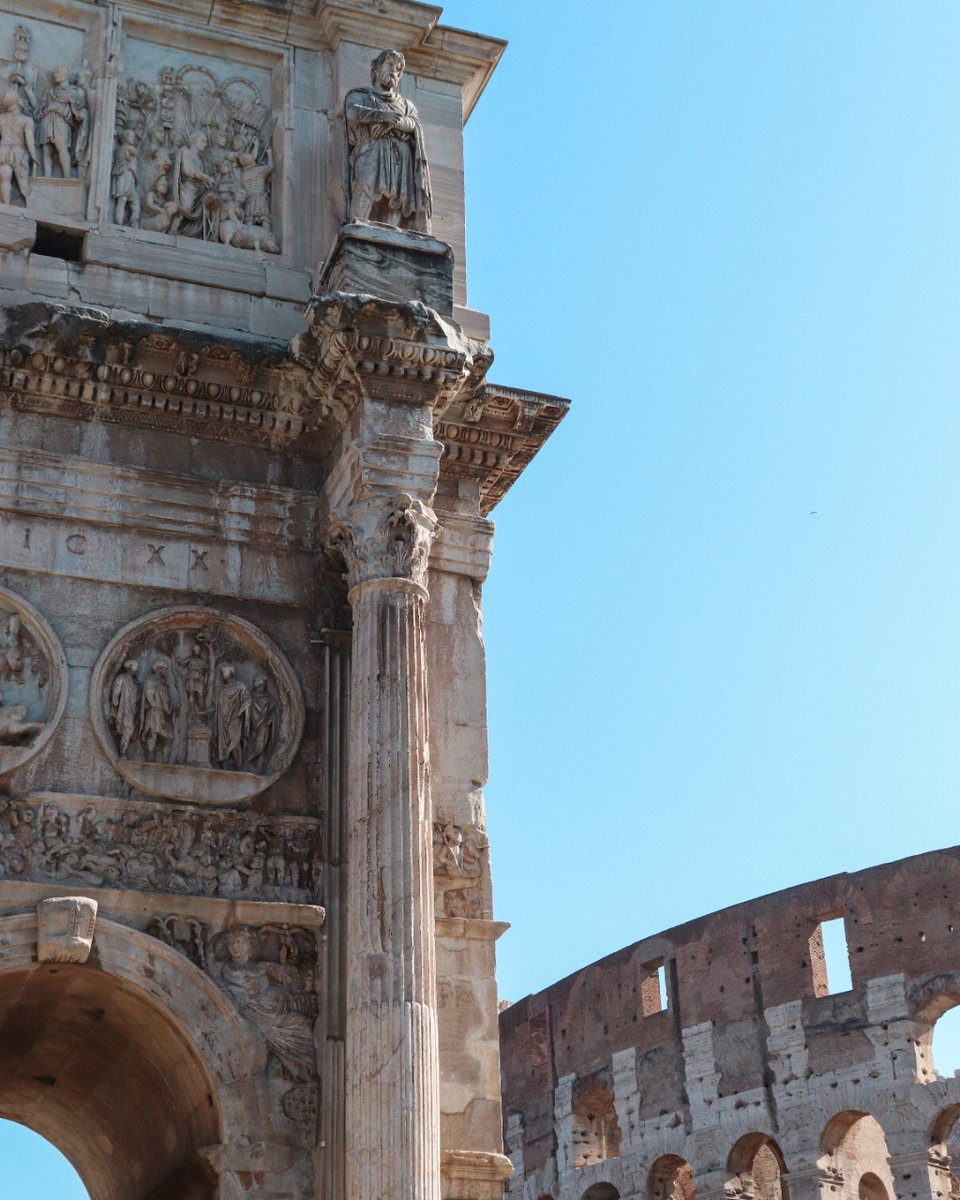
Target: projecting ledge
(471, 930)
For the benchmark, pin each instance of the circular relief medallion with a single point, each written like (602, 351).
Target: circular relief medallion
(33, 681)
(194, 704)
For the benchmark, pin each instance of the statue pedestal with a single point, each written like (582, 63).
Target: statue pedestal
(392, 264)
(58, 197)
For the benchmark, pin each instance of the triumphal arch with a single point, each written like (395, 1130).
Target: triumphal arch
(248, 452)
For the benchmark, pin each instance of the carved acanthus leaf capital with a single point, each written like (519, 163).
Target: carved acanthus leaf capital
(386, 537)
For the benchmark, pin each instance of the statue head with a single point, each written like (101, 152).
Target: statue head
(226, 672)
(386, 69)
(198, 140)
(21, 43)
(160, 669)
(9, 103)
(131, 667)
(240, 943)
(60, 74)
(260, 685)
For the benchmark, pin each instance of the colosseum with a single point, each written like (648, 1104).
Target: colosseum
(715, 1060)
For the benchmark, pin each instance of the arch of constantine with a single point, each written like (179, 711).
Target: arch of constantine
(248, 455)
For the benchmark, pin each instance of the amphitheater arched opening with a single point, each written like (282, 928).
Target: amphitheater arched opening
(945, 1144)
(671, 1178)
(601, 1191)
(34, 1169)
(596, 1130)
(853, 1144)
(756, 1159)
(106, 1075)
(945, 1041)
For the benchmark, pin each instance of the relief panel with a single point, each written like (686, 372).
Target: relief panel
(194, 704)
(33, 681)
(194, 148)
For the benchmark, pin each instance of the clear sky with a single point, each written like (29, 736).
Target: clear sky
(724, 652)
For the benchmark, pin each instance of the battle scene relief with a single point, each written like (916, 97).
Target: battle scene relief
(196, 704)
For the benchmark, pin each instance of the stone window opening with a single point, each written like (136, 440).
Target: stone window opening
(57, 243)
(758, 1166)
(653, 988)
(830, 957)
(596, 1131)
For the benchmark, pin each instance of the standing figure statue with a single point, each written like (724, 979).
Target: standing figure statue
(125, 705)
(263, 715)
(58, 118)
(232, 707)
(156, 728)
(388, 176)
(82, 107)
(17, 149)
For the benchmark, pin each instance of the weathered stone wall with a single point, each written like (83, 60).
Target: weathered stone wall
(754, 1079)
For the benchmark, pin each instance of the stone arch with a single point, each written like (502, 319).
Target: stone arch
(133, 1064)
(596, 1130)
(856, 1146)
(671, 1178)
(928, 1001)
(601, 1191)
(757, 1160)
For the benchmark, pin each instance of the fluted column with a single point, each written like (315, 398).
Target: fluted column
(392, 1076)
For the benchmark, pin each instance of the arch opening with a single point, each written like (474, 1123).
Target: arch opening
(601, 1191)
(945, 1042)
(671, 1178)
(107, 1076)
(757, 1158)
(34, 1169)
(856, 1146)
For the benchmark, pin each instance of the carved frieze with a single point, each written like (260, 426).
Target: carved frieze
(32, 681)
(194, 704)
(143, 847)
(193, 157)
(459, 854)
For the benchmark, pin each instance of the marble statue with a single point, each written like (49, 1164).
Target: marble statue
(388, 176)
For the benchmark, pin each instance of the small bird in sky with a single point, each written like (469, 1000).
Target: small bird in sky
(815, 513)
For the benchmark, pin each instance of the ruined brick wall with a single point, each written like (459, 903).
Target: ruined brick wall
(754, 1080)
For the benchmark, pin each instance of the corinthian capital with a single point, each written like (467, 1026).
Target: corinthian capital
(386, 538)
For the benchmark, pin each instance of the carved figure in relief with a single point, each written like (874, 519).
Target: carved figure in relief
(19, 75)
(158, 209)
(213, 140)
(388, 177)
(156, 730)
(233, 718)
(189, 181)
(82, 81)
(458, 856)
(12, 649)
(279, 996)
(125, 705)
(14, 724)
(124, 186)
(263, 714)
(17, 147)
(59, 118)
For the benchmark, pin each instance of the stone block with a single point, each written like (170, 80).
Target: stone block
(396, 264)
(65, 926)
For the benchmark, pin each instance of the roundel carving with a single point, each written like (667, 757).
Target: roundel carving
(195, 704)
(33, 681)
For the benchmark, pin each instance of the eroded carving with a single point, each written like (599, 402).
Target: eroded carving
(193, 157)
(46, 120)
(65, 926)
(458, 867)
(385, 538)
(388, 176)
(185, 851)
(32, 681)
(271, 974)
(217, 716)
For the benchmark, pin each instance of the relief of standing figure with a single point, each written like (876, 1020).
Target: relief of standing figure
(156, 706)
(263, 714)
(17, 148)
(124, 185)
(58, 118)
(388, 176)
(232, 707)
(124, 705)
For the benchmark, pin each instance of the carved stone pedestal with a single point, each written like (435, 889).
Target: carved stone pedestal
(393, 264)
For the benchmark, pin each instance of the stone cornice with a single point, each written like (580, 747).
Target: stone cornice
(463, 545)
(493, 435)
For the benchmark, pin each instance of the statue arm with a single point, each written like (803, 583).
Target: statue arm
(30, 142)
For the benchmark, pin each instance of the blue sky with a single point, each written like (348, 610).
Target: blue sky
(724, 653)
